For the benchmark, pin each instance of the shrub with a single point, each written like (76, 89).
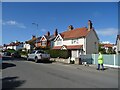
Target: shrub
(24, 53)
(10, 50)
(58, 53)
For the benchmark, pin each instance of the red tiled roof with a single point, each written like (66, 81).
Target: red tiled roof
(75, 33)
(13, 44)
(69, 47)
(56, 47)
(74, 47)
(108, 45)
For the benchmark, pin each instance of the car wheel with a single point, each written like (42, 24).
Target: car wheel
(36, 59)
(27, 58)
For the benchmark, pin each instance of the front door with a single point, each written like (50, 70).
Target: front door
(69, 53)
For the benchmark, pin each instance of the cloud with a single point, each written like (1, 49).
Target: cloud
(14, 23)
(106, 42)
(107, 31)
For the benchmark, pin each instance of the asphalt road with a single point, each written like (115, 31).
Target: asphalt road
(27, 74)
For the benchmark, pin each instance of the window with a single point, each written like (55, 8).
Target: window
(59, 41)
(43, 43)
(40, 52)
(74, 41)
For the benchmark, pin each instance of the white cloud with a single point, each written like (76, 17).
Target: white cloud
(107, 31)
(105, 42)
(11, 22)
(14, 23)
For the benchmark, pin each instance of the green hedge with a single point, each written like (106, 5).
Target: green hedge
(58, 53)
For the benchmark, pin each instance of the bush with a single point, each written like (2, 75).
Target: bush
(24, 53)
(10, 50)
(58, 53)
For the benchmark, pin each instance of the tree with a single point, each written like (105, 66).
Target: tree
(102, 50)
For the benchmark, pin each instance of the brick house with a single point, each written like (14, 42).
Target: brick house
(78, 41)
(47, 40)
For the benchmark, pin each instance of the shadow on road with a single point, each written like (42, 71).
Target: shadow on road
(46, 62)
(43, 61)
(7, 58)
(10, 83)
(6, 65)
(104, 69)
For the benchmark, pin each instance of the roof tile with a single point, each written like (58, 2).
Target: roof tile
(75, 33)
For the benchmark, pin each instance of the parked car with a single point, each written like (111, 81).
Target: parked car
(38, 55)
(7, 54)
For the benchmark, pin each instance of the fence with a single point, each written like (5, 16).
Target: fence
(109, 60)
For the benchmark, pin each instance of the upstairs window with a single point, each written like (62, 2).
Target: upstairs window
(43, 43)
(59, 41)
(74, 41)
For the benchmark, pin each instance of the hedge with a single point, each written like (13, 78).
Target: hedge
(58, 53)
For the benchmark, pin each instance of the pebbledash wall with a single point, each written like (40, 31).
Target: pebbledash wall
(109, 60)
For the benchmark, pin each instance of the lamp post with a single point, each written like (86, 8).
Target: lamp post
(36, 34)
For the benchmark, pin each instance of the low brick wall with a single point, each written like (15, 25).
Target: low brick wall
(60, 60)
(77, 60)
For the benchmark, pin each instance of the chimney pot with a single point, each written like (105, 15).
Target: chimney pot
(48, 33)
(56, 32)
(33, 36)
(89, 25)
(70, 27)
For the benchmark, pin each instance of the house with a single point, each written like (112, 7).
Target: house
(14, 45)
(118, 44)
(78, 41)
(30, 44)
(26, 46)
(109, 47)
(47, 40)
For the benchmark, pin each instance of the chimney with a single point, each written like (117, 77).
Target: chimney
(33, 36)
(48, 33)
(16, 41)
(89, 25)
(56, 32)
(70, 27)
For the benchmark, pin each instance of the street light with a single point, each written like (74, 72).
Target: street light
(36, 34)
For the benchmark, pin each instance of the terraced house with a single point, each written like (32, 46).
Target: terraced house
(47, 40)
(78, 40)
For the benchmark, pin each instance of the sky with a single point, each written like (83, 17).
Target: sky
(17, 19)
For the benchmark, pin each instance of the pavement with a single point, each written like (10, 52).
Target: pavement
(28, 74)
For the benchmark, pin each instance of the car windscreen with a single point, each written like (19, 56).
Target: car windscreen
(32, 52)
(40, 52)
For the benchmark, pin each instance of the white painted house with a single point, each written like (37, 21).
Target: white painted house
(78, 41)
(27, 46)
(14, 45)
(118, 44)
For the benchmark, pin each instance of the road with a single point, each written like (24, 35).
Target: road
(27, 74)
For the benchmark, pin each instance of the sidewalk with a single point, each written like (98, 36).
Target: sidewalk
(91, 67)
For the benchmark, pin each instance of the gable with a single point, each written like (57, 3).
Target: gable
(43, 38)
(63, 47)
(58, 37)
